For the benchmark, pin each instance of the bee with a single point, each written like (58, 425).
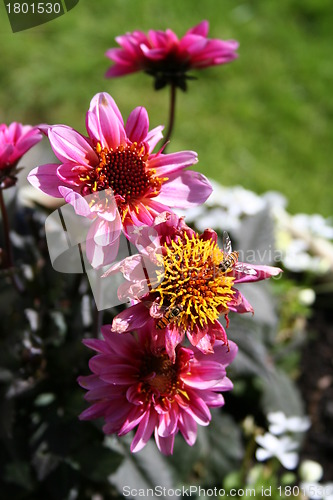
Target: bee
(230, 258)
(169, 314)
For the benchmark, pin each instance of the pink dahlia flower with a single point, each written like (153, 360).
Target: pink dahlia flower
(165, 57)
(15, 140)
(193, 285)
(120, 158)
(135, 384)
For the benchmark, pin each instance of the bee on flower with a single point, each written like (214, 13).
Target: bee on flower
(188, 280)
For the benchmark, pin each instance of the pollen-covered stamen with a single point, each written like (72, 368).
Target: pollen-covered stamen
(193, 281)
(124, 169)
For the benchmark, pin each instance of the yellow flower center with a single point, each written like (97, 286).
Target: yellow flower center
(193, 285)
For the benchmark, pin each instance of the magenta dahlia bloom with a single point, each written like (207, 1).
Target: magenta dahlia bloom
(15, 140)
(135, 385)
(120, 158)
(193, 285)
(165, 57)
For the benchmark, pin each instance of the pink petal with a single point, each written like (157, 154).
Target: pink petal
(204, 344)
(91, 382)
(28, 140)
(123, 345)
(263, 272)
(145, 430)
(104, 232)
(209, 234)
(45, 178)
(120, 57)
(165, 444)
(115, 419)
(135, 415)
(132, 318)
(6, 152)
(78, 202)
(204, 375)
(200, 29)
(97, 345)
(224, 385)
(104, 122)
(153, 54)
(223, 353)
(69, 173)
(137, 125)
(96, 410)
(100, 256)
(172, 162)
(185, 190)
(213, 399)
(70, 146)
(154, 136)
(106, 392)
(239, 304)
(167, 423)
(188, 427)
(193, 44)
(120, 70)
(118, 374)
(162, 39)
(173, 337)
(198, 409)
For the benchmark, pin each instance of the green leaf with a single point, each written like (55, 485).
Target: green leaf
(281, 394)
(97, 462)
(19, 473)
(143, 470)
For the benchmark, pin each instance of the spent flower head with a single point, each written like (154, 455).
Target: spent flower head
(167, 58)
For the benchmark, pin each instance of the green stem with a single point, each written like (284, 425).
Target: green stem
(98, 320)
(171, 114)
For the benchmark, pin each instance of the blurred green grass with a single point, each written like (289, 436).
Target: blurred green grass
(263, 121)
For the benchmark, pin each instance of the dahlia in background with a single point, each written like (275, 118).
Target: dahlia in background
(15, 140)
(118, 158)
(167, 58)
(135, 385)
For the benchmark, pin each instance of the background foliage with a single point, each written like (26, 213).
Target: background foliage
(263, 121)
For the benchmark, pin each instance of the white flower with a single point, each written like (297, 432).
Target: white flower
(317, 491)
(281, 448)
(279, 423)
(310, 471)
(307, 296)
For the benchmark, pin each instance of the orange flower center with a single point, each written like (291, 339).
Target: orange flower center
(160, 377)
(124, 170)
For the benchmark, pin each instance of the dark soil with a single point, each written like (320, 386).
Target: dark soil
(316, 385)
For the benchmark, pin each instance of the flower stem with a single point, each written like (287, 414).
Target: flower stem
(171, 114)
(98, 320)
(9, 259)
